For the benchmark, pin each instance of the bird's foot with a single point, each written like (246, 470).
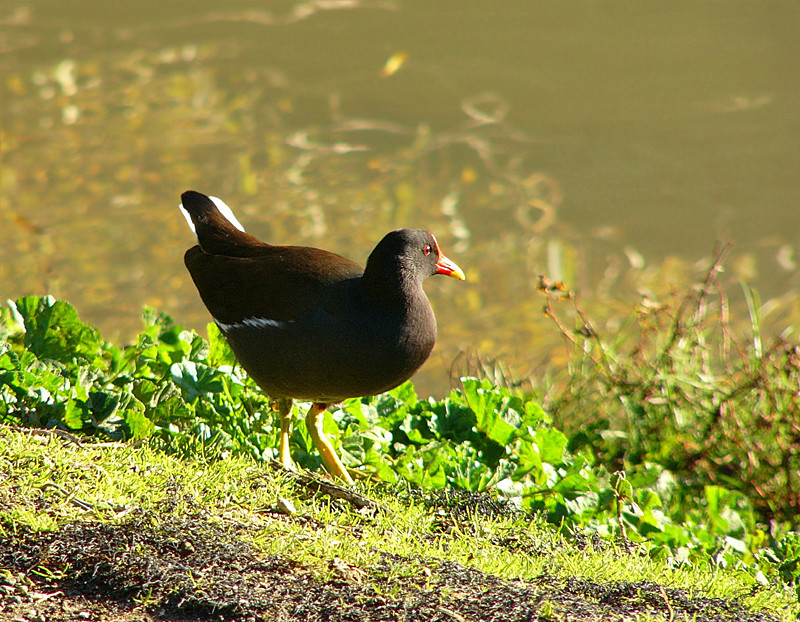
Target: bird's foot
(333, 465)
(285, 411)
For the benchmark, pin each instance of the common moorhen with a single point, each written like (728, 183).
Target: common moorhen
(312, 325)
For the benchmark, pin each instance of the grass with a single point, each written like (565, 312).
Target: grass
(686, 386)
(665, 454)
(50, 481)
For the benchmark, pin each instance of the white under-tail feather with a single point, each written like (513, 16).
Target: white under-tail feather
(222, 207)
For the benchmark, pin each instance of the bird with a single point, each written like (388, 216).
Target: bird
(311, 325)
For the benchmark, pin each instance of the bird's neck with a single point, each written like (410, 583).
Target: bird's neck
(392, 284)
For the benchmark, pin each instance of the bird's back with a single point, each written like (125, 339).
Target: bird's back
(298, 318)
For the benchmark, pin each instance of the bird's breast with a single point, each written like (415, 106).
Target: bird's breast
(327, 358)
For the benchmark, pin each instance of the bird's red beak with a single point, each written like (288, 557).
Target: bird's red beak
(446, 266)
(449, 268)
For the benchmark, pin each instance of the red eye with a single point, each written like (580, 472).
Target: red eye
(427, 250)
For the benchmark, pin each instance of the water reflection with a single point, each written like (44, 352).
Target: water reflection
(608, 147)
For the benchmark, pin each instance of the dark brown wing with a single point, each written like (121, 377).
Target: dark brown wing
(280, 283)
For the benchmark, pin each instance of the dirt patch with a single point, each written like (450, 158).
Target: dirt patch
(195, 569)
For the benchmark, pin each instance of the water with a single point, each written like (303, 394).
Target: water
(608, 144)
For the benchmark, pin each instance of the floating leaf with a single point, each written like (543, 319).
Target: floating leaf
(394, 63)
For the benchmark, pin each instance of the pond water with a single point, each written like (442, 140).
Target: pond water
(609, 144)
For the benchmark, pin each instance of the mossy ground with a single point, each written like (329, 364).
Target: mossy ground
(123, 532)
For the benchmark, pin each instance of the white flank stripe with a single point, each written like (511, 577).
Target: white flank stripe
(252, 322)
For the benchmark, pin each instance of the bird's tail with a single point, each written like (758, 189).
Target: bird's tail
(216, 228)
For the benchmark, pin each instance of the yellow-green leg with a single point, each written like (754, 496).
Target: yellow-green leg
(333, 465)
(285, 412)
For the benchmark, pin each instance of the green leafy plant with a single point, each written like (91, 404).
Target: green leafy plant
(679, 389)
(187, 395)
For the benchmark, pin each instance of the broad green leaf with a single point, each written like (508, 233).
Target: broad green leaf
(197, 379)
(551, 443)
(139, 426)
(219, 352)
(54, 332)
